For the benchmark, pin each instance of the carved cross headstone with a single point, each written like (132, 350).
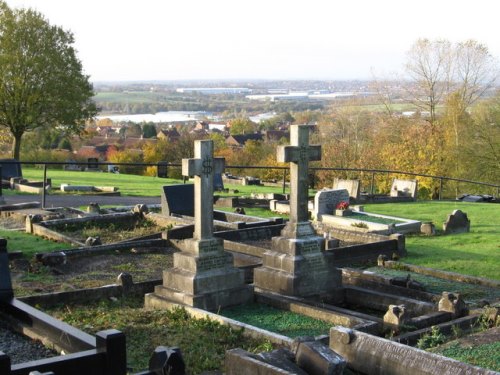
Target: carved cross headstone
(203, 167)
(298, 154)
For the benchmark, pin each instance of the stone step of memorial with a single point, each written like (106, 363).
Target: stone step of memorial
(194, 283)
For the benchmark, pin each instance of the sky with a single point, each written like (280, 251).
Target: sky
(125, 40)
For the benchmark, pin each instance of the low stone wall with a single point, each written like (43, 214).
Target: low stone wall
(443, 274)
(92, 294)
(377, 356)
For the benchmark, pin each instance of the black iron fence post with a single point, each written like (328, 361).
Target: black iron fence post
(372, 187)
(440, 188)
(44, 185)
(1, 182)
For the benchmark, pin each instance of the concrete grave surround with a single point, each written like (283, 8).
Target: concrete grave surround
(457, 222)
(296, 264)
(203, 274)
(325, 201)
(404, 188)
(352, 186)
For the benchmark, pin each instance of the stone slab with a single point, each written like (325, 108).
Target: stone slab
(369, 354)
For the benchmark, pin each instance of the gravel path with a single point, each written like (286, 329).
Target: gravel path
(20, 348)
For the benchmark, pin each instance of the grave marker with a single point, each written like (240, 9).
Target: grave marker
(352, 186)
(177, 199)
(203, 274)
(457, 222)
(326, 201)
(404, 188)
(296, 265)
(10, 168)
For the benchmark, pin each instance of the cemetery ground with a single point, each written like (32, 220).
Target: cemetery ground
(203, 342)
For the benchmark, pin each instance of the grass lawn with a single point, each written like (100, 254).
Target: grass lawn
(476, 253)
(203, 342)
(29, 244)
(130, 184)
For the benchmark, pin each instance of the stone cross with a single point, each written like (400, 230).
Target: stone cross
(299, 153)
(203, 167)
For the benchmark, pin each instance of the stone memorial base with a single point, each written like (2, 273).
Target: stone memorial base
(203, 276)
(297, 266)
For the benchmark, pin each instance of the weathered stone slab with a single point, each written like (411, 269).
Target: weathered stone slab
(373, 355)
(318, 359)
(457, 222)
(241, 362)
(404, 188)
(177, 199)
(352, 186)
(325, 201)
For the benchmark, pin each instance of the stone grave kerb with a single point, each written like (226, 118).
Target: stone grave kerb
(203, 167)
(298, 154)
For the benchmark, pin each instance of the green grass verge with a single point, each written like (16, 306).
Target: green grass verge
(476, 253)
(286, 323)
(483, 355)
(29, 244)
(203, 342)
(254, 211)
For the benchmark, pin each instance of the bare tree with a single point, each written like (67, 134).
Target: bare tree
(430, 67)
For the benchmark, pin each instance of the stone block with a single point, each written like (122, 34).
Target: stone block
(318, 359)
(395, 316)
(454, 304)
(167, 360)
(241, 362)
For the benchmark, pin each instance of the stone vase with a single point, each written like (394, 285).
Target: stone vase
(343, 212)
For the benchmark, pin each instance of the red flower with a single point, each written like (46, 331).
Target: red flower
(342, 206)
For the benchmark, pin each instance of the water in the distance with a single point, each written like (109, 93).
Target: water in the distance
(171, 116)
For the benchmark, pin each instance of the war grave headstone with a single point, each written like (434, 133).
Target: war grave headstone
(326, 201)
(404, 188)
(296, 264)
(203, 275)
(352, 186)
(92, 164)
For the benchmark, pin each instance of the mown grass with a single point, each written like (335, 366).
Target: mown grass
(29, 244)
(476, 253)
(483, 355)
(130, 184)
(203, 342)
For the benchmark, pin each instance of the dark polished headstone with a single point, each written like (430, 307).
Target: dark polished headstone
(178, 199)
(10, 168)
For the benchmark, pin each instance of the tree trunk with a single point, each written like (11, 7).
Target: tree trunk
(16, 146)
